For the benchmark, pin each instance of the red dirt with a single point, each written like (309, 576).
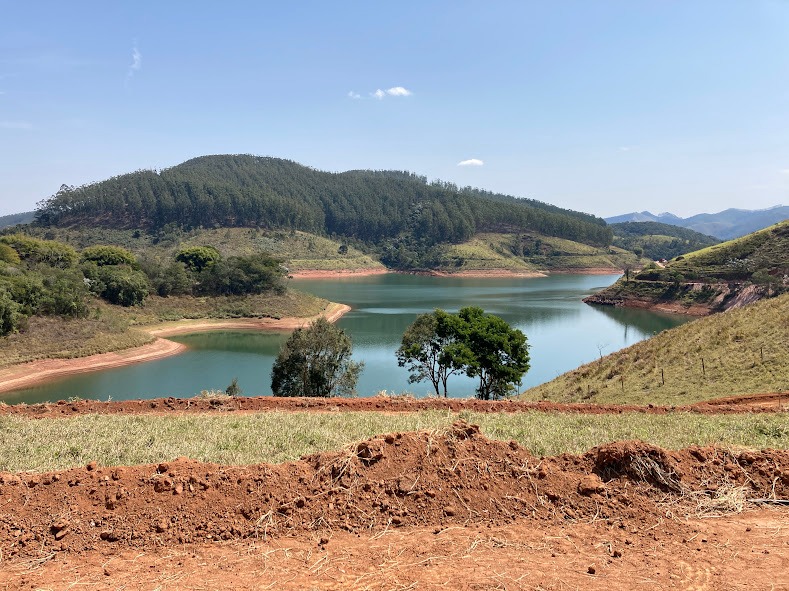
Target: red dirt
(405, 511)
(770, 402)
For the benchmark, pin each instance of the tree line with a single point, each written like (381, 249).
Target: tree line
(375, 207)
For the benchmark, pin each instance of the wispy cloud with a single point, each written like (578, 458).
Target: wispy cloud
(471, 162)
(380, 94)
(15, 125)
(625, 148)
(785, 171)
(136, 64)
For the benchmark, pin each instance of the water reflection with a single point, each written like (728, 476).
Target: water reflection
(563, 333)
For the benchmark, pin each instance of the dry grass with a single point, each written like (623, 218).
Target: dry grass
(736, 352)
(47, 444)
(58, 338)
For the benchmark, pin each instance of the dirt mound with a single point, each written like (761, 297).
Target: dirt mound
(769, 402)
(435, 479)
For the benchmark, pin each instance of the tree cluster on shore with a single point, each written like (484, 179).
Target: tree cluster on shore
(50, 278)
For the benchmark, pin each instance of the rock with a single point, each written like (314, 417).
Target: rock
(591, 484)
(450, 510)
(92, 465)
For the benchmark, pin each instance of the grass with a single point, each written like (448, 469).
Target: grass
(741, 351)
(489, 251)
(58, 338)
(273, 437)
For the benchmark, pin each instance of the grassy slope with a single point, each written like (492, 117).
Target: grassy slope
(744, 351)
(713, 276)
(48, 444)
(766, 250)
(491, 251)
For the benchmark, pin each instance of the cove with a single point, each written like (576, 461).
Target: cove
(563, 333)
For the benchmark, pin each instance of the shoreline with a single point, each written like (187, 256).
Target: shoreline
(32, 373)
(471, 273)
(335, 274)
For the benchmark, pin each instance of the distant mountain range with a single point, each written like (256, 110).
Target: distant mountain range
(725, 225)
(16, 218)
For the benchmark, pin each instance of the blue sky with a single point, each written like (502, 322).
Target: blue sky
(603, 106)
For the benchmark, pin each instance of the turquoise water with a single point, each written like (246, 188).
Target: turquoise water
(563, 333)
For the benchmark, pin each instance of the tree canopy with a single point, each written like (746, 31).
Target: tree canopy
(439, 344)
(316, 361)
(384, 208)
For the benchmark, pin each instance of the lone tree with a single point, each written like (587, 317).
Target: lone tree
(425, 350)
(490, 349)
(316, 361)
(481, 345)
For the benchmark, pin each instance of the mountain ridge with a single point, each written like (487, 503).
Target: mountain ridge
(724, 225)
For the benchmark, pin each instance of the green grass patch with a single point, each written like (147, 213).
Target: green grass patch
(741, 351)
(274, 437)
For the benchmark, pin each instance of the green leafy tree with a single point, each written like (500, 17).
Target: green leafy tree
(197, 258)
(256, 273)
(316, 361)
(47, 252)
(9, 314)
(65, 294)
(8, 255)
(424, 349)
(121, 285)
(488, 348)
(480, 345)
(108, 255)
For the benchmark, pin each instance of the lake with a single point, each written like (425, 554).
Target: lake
(562, 332)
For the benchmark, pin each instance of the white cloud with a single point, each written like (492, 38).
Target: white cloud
(354, 95)
(471, 162)
(625, 148)
(399, 91)
(15, 125)
(394, 91)
(785, 171)
(136, 64)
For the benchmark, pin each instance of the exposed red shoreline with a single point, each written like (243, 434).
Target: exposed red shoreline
(29, 374)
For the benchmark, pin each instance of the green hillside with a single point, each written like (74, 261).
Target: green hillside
(740, 351)
(717, 277)
(655, 241)
(391, 213)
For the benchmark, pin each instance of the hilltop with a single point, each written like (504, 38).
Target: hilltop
(399, 218)
(712, 279)
(741, 351)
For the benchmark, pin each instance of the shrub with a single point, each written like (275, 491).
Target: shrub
(48, 252)
(103, 255)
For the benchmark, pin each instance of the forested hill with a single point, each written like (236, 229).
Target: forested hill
(371, 206)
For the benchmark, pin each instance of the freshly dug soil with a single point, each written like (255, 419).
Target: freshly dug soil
(418, 510)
